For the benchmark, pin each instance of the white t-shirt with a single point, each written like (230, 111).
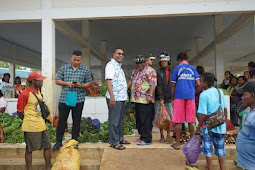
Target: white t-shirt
(3, 102)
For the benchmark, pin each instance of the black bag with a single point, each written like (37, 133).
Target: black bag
(217, 118)
(44, 108)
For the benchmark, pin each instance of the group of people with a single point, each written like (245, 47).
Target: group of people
(183, 91)
(10, 90)
(233, 86)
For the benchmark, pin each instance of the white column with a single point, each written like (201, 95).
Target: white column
(48, 57)
(199, 47)
(12, 65)
(219, 55)
(103, 62)
(86, 50)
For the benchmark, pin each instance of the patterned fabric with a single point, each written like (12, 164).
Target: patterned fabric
(68, 74)
(213, 139)
(114, 72)
(33, 121)
(18, 90)
(7, 90)
(141, 83)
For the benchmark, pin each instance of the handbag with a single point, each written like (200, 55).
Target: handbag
(71, 98)
(217, 118)
(44, 108)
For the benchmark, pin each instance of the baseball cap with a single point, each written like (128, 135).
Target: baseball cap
(249, 87)
(149, 56)
(140, 59)
(35, 75)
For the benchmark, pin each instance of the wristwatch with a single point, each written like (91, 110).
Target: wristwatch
(150, 95)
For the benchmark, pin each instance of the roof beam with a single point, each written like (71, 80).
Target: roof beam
(238, 24)
(75, 36)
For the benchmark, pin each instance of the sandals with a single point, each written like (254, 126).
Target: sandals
(124, 142)
(118, 147)
(175, 147)
(162, 140)
(143, 143)
(168, 140)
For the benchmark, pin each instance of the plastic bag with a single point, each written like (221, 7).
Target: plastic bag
(68, 158)
(164, 120)
(230, 125)
(192, 149)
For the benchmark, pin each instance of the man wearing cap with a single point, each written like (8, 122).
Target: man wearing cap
(246, 138)
(143, 83)
(163, 92)
(76, 78)
(33, 126)
(149, 59)
(116, 96)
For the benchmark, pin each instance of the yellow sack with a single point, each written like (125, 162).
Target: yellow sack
(68, 158)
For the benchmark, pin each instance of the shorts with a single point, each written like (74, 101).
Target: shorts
(37, 141)
(213, 139)
(184, 110)
(157, 107)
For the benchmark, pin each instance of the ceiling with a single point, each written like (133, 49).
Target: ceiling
(140, 35)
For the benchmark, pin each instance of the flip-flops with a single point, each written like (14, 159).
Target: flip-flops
(143, 143)
(118, 147)
(137, 140)
(124, 142)
(175, 147)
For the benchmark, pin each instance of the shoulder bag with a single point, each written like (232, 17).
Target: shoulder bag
(44, 108)
(217, 118)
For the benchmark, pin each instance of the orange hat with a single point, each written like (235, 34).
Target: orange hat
(35, 76)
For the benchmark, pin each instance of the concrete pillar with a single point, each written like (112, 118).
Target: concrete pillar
(86, 50)
(48, 58)
(12, 65)
(103, 62)
(254, 27)
(199, 47)
(12, 72)
(219, 53)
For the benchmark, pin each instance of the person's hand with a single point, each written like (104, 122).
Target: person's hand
(69, 84)
(198, 132)
(162, 102)
(1, 137)
(149, 99)
(77, 85)
(112, 102)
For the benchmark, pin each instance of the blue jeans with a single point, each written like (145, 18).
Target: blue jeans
(116, 116)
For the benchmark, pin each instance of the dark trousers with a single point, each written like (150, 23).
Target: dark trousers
(116, 117)
(144, 117)
(64, 110)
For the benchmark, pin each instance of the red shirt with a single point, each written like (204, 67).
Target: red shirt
(167, 75)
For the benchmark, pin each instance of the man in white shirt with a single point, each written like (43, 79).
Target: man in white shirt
(116, 96)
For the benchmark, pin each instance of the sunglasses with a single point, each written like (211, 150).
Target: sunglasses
(120, 54)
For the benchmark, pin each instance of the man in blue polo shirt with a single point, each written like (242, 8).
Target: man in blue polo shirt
(185, 78)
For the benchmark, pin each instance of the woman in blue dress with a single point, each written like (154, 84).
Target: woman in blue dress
(245, 142)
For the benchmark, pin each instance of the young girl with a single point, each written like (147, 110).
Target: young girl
(226, 81)
(209, 103)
